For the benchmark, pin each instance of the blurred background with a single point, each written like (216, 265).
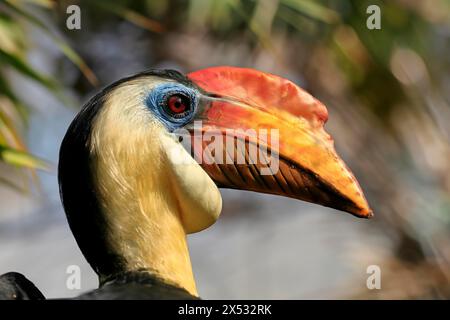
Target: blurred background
(387, 92)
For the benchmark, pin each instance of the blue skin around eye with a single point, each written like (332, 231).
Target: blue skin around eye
(157, 97)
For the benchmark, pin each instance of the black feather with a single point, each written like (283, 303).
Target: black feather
(137, 285)
(14, 286)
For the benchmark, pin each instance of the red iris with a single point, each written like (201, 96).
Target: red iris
(176, 104)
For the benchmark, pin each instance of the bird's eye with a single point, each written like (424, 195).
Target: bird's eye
(173, 104)
(177, 105)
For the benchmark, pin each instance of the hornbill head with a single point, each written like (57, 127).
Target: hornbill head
(142, 161)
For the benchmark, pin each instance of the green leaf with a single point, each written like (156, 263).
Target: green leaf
(20, 108)
(8, 132)
(261, 35)
(313, 9)
(21, 158)
(12, 37)
(21, 66)
(130, 15)
(42, 3)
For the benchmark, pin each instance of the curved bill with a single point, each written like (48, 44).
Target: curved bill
(259, 132)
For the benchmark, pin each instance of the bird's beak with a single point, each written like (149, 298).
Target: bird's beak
(256, 131)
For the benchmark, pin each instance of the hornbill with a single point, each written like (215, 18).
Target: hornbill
(132, 189)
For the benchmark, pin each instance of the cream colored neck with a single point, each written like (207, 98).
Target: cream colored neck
(145, 229)
(158, 245)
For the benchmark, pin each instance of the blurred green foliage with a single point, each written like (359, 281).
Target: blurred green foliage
(14, 44)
